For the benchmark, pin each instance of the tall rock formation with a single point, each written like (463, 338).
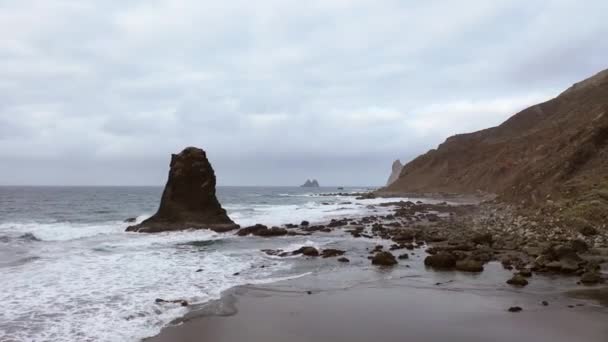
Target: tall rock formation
(188, 200)
(310, 184)
(396, 171)
(554, 152)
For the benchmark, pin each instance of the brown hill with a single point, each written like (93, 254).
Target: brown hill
(553, 152)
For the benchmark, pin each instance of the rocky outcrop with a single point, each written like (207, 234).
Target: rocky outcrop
(396, 171)
(188, 200)
(554, 153)
(310, 184)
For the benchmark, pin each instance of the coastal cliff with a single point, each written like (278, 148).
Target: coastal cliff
(553, 154)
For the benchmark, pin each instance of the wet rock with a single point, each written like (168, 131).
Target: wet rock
(343, 259)
(384, 259)
(527, 273)
(304, 223)
(545, 303)
(579, 246)
(483, 239)
(517, 280)
(469, 265)
(306, 250)
(130, 220)
(515, 309)
(591, 278)
(262, 230)
(181, 302)
(441, 260)
(330, 252)
(272, 252)
(587, 230)
(404, 256)
(291, 226)
(188, 200)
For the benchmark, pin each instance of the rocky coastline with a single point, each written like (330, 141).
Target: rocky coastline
(465, 237)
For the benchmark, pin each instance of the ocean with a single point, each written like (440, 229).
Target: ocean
(70, 272)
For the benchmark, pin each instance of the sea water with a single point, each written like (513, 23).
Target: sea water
(70, 272)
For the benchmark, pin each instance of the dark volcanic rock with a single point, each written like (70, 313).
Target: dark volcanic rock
(517, 280)
(188, 200)
(384, 259)
(262, 230)
(441, 260)
(306, 250)
(591, 278)
(330, 252)
(469, 265)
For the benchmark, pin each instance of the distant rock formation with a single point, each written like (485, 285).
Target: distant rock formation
(310, 184)
(396, 171)
(188, 200)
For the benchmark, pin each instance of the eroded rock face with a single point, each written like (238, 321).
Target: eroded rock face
(395, 172)
(188, 200)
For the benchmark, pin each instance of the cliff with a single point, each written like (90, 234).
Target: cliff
(553, 151)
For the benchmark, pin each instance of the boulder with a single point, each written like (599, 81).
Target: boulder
(587, 230)
(591, 278)
(384, 259)
(188, 200)
(483, 239)
(469, 265)
(306, 250)
(343, 259)
(441, 260)
(517, 280)
(330, 252)
(262, 230)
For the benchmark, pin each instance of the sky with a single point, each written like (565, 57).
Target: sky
(276, 91)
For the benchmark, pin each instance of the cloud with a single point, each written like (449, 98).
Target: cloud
(101, 92)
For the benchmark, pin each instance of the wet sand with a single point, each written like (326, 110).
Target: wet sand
(390, 310)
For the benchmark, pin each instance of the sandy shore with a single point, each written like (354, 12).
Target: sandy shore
(389, 310)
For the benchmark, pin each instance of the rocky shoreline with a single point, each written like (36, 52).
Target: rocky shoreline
(465, 237)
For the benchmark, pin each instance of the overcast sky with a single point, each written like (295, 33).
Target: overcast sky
(101, 92)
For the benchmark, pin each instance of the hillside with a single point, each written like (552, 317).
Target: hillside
(553, 153)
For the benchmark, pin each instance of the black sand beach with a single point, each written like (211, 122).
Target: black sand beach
(404, 306)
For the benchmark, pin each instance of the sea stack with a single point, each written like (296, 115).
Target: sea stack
(396, 171)
(310, 184)
(188, 201)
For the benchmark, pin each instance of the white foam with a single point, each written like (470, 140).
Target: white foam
(104, 289)
(312, 211)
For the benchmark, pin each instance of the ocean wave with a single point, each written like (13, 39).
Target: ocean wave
(62, 231)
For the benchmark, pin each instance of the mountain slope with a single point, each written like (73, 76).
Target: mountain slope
(557, 149)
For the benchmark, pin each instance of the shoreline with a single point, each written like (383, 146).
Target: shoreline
(390, 309)
(429, 229)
